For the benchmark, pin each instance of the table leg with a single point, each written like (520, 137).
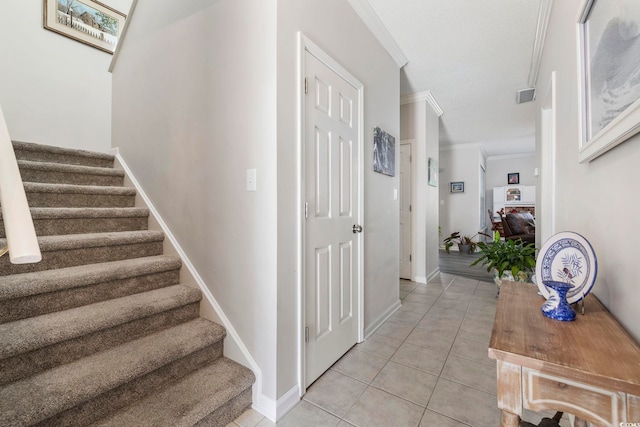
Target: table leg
(510, 420)
(579, 422)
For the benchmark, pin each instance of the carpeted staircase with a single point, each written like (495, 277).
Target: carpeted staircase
(101, 332)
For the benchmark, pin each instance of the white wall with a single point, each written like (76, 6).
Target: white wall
(335, 28)
(596, 199)
(53, 90)
(499, 166)
(460, 211)
(194, 106)
(420, 123)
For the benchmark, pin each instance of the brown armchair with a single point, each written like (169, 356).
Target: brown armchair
(520, 225)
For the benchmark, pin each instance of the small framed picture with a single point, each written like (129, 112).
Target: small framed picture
(457, 187)
(513, 178)
(433, 172)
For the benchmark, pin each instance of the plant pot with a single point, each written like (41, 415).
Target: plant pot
(522, 277)
(464, 249)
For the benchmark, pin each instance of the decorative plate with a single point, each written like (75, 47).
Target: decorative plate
(567, 257)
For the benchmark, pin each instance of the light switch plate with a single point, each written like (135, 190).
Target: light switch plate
(251, 180)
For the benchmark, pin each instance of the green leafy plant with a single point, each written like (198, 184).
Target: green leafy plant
(511, 255)
(456, 239)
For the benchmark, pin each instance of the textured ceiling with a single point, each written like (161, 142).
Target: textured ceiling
(473, 56)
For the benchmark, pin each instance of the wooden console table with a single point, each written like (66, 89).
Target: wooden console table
(589, 367)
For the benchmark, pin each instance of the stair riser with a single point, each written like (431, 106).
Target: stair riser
(53, 227)
(67, 200)
(82, 256)
(24, 365)
(110, 402)
(21, 308)
(56, 177)
(228, 412)
(43, 156)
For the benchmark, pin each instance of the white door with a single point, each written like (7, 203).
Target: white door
(405, 211)
(332, 233)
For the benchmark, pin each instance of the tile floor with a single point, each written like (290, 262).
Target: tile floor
(426, 366)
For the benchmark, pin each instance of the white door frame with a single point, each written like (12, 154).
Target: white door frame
(306, 45)
(410, 143)
(546, 211)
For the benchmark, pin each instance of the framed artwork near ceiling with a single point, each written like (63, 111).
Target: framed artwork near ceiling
(457, 187)
(384, 152)
(609, 74)
(433, 172)
(513, 178)
(87, 21)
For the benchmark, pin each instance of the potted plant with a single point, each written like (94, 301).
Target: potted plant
(466, 245)
(509, 259)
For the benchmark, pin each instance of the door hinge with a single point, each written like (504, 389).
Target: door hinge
(306, 334)
(306, 210)
(410, 258)
(306, 85)
(409, 208)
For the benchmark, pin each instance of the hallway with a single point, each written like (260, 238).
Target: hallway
(426, 366)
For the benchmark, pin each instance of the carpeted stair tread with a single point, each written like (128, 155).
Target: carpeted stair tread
(37, 332)
(66, 168)
(91, 240)
(189, 400)
(61, 213)
(38, 282)
(37, 398)
(38, 187)
(49, 153)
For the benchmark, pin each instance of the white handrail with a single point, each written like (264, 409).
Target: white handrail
(18, 225)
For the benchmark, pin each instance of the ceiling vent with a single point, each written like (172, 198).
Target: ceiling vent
(525, 95)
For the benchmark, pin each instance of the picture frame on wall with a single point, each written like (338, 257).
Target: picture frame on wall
(433, 172)
(87, 21)
(609, 74)
(513, 178)
(384, 152)
(457, 187)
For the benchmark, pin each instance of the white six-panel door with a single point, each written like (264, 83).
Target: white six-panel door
(331, 171)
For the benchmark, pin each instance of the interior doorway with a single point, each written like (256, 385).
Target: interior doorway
(406, 185)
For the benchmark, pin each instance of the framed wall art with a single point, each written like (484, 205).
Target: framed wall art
(384, 152)
(513, 178)
(433, 172)
(609, 53)
(87, 21)
(457, 187)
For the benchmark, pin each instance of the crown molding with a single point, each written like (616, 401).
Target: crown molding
(375, 25)
(422, 96)
(544, 14)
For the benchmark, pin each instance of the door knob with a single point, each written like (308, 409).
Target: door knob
(356, 229)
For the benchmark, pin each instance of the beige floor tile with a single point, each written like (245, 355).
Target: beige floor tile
(376, 408)
(465, 404)
(434, 292)
(439, 340)
(404, 294)
(407, 316)
(360, 365)
(308, 415)
(433, 322)
(335, 392)
(408, 287)
(445, 313)
(405, 382)
(343, 423)
(421, 298)
(426, 359)
(433, 419)
(471, 373)
(396, 330)
(266, 423)
(249, 418)
(415, 306)
(472, 349)
(380, 345)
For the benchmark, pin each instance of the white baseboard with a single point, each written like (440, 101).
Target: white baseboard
(287, 402)
(383, 318)
(420, 279)
(433, 274)
(234, 348)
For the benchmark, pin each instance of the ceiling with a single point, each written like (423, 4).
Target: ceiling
(472, 56)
